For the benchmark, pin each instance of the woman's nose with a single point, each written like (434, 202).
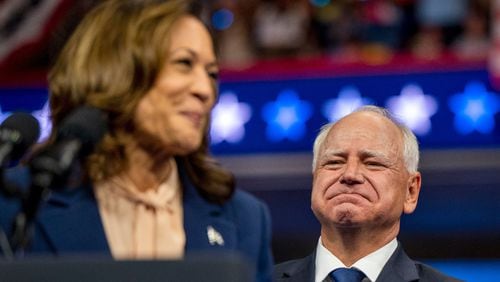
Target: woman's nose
(203, 87)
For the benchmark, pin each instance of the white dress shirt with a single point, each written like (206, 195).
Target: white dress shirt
(371, 265)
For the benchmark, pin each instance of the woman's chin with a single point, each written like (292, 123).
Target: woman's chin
(187, 147)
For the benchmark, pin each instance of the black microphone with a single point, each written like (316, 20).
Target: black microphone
(17, 133)
(76, 138)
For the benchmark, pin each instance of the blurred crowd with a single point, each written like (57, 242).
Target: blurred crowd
(247, 30)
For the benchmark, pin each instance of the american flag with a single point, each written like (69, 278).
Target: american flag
(494, 56)
(28, 31)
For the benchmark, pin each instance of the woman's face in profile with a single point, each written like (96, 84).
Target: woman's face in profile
(176, 109)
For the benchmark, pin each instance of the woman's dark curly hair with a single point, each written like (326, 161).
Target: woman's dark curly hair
(110, 62)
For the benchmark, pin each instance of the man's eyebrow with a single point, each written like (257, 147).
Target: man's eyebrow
(332, 152)
(374, 154)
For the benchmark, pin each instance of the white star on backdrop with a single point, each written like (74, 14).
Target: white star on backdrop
(348, 100)
(414, 108)
(43, 117)
(228, 119)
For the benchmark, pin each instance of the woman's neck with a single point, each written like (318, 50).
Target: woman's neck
(147, 170)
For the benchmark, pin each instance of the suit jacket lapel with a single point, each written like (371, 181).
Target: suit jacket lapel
(72, 223)
(302, 270)
(208, 226)
(399, 268)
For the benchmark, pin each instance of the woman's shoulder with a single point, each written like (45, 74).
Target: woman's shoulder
(246, 199)
(248, 206)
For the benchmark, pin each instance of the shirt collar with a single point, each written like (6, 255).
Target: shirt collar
(371, 265)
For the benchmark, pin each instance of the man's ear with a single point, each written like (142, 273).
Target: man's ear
(412, 192)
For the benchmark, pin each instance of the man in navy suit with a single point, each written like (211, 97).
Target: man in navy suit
(364, 178)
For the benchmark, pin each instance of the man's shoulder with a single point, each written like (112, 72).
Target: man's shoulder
(302, 268)
(292, 264)
(401, 267)
(429, 273)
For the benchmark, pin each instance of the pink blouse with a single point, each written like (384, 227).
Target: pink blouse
(142, 224)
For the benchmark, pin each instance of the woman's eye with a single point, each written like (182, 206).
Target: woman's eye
(185, 62)
(214, 75)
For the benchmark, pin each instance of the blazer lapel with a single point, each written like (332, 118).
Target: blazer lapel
(72, 223)
(399, 268)
(207, 225)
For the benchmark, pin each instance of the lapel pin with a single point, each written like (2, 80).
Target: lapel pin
(214, 237)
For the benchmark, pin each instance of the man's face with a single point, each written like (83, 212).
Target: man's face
(360, 179)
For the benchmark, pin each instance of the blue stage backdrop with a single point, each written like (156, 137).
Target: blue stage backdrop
(446, 109)
(455, 109)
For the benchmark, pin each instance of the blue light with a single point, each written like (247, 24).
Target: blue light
(474, 109)
(222, 19)
(348, 100)
(3, 115)
(286, 117)
(470, 270)
(320, 3)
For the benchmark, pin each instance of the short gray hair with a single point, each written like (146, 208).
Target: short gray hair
(410, 143)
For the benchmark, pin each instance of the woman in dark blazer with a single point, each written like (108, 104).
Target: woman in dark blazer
(149, 189)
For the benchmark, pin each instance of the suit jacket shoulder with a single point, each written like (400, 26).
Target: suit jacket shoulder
(253, 218)
(428, 273)
(399, 268)
(298, 270)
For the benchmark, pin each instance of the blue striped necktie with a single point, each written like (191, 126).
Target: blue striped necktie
(347, 275)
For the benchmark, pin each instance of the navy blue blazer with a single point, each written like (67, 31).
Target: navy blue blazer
(399, 268)
(68, 223)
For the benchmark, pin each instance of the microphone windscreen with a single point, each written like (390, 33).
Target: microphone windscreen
(23, 130)
(87, 124)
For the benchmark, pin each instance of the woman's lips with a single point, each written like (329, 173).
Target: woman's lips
(195, 117)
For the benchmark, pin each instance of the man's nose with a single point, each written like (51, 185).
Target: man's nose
(352, 174)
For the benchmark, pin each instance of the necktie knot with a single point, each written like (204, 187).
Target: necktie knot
(347, 275)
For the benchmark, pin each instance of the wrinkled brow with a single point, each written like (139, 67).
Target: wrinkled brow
(363, 154)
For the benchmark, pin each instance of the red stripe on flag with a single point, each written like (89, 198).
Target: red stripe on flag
(33, 53)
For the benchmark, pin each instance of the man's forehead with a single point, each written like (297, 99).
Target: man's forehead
(360, 124)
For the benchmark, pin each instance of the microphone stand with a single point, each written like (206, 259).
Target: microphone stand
(23, 222)
(9, 190)
(5, 247)
(48, 169)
